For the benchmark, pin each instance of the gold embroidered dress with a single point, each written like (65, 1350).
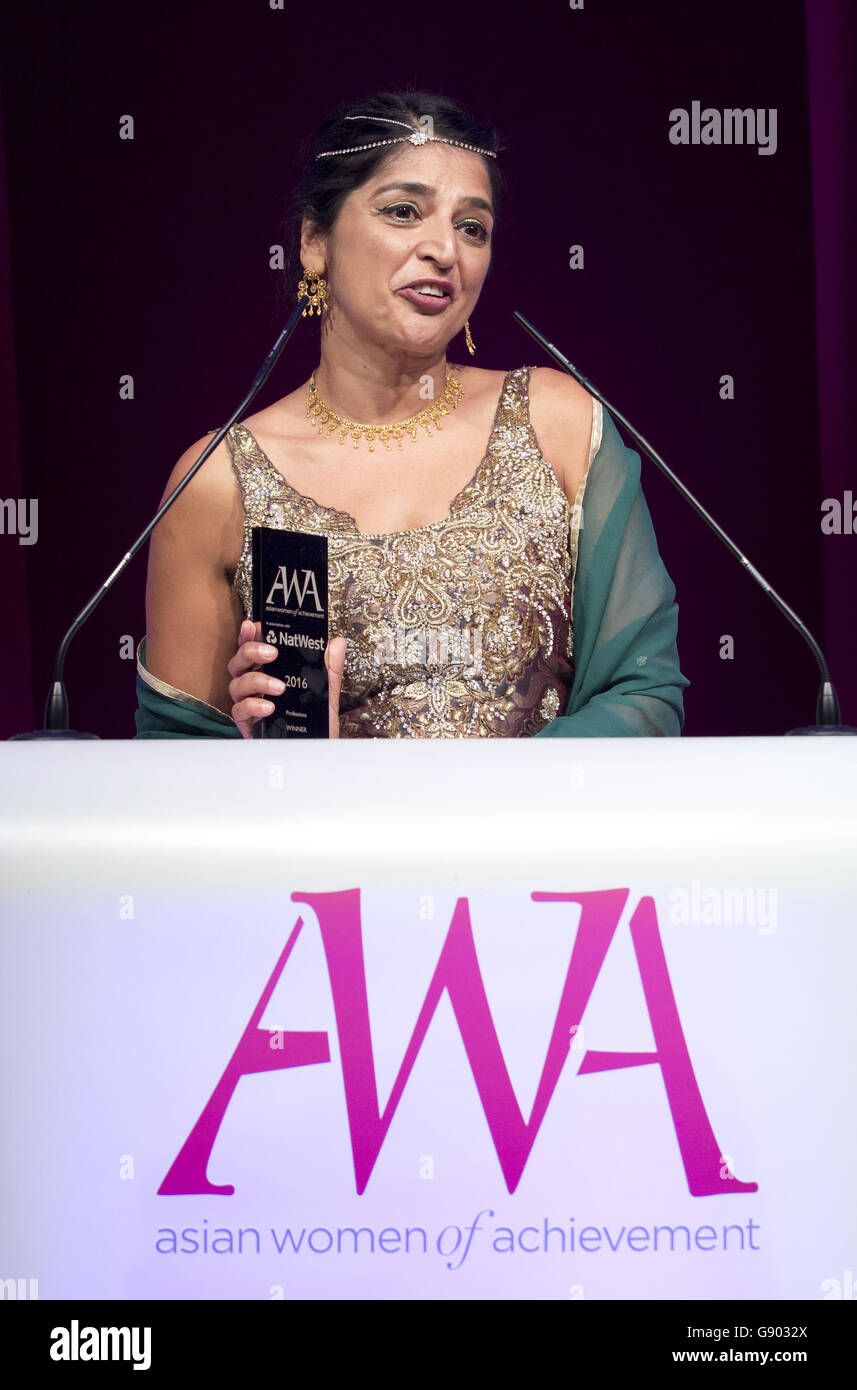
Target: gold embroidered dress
(459, 628)
(495, 583)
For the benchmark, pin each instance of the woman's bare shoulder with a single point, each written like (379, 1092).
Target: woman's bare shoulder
(208, 512)
(483, 376)
(561, 413)
(479, 380)
(481, 389)
(282, 419)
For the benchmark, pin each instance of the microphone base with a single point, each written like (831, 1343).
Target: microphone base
(51, 733)
(824, 729)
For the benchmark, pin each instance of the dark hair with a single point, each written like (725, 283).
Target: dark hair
(326, 183)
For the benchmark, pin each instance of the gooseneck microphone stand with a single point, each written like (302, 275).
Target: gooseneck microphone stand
(56, 708)
(827, 713)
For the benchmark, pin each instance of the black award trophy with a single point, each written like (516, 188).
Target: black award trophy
(290, 601)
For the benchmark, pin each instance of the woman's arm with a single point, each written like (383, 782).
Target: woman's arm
(192, 614)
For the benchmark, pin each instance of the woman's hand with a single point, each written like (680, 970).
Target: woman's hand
(250, 684)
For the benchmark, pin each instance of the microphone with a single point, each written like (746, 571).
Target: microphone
(827, 713)
(56, 708)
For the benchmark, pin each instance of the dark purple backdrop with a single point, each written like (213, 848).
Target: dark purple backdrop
(150, 257)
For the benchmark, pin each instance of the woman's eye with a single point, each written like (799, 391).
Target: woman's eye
(475, 230)
(401, 207)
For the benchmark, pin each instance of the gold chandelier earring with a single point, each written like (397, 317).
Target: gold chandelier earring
(471, 346)
(315, 289)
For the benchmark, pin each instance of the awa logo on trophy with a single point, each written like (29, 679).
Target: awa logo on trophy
(290, 601)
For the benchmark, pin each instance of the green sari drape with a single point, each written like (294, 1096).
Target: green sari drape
(627, 682)
(165, 712)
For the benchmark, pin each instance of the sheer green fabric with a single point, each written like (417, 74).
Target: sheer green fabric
(627, 682)
(165, 712)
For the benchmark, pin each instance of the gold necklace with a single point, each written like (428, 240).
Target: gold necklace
(321, 415)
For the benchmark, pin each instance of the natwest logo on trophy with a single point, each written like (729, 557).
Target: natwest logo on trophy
(458, 974)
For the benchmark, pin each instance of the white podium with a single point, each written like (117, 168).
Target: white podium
(429, 1019)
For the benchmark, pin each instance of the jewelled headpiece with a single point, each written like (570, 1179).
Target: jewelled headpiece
(416, 137)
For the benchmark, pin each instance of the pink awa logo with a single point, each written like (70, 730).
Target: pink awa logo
(457, 972)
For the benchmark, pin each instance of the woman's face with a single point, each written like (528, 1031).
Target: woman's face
(424, 216)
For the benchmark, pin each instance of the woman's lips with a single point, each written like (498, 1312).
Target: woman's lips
(429, 303)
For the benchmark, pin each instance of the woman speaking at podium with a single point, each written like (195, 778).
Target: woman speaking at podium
(493, 570)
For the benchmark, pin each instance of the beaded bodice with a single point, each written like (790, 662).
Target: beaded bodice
(459, 628)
